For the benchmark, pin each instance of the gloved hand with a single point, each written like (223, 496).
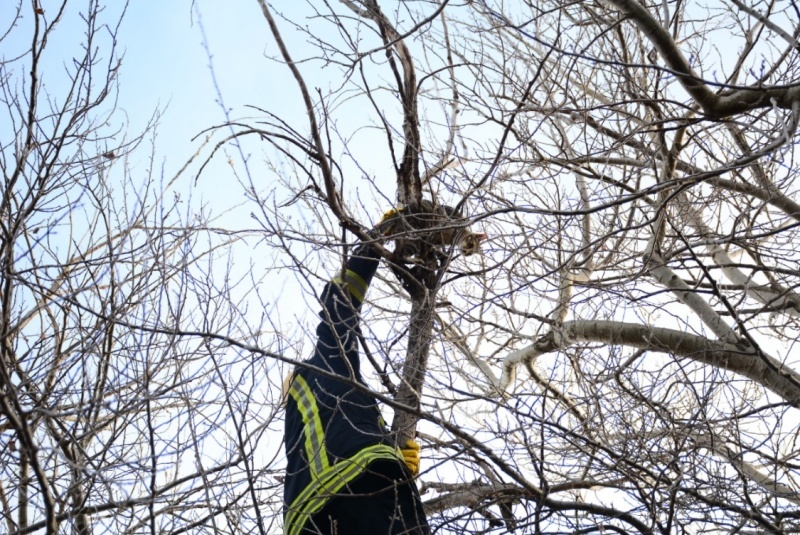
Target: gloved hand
(390, 213)
(386, 225)
(411, 456)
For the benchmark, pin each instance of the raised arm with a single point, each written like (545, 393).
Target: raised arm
(337, 332)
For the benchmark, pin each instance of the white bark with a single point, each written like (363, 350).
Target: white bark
(689, 297)
(784, 299)
(767, 482)
(738, 358)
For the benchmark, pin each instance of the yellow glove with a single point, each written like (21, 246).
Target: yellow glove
(388, 214)
(411, 456)
(385, 224)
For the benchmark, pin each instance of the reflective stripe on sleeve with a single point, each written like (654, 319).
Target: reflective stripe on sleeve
(315, 438)
(355, 284)
(314, 496)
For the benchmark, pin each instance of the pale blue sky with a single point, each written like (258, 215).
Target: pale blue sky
(166, 65)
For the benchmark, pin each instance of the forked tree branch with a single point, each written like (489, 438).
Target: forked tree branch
(715, 105)
(409, 183)
(333, 197)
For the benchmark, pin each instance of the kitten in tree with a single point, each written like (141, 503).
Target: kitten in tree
(438, 226)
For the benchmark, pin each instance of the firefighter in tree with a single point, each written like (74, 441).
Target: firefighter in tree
(344, 474)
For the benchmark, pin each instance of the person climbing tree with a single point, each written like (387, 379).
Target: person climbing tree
(344, 474)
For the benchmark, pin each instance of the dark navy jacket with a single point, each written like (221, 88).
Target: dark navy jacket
(335, 435)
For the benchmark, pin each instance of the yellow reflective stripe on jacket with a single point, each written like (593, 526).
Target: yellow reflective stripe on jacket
(315, 438)
(314, 496)
(355, 284)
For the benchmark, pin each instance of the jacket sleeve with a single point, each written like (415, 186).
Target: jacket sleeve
(337, 332)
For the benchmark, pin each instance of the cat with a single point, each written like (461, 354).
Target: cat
(439, 226)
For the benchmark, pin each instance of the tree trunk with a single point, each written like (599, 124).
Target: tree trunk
(420, 332)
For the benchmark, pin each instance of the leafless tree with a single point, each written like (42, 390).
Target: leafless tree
(620, 357)
(122, 407)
